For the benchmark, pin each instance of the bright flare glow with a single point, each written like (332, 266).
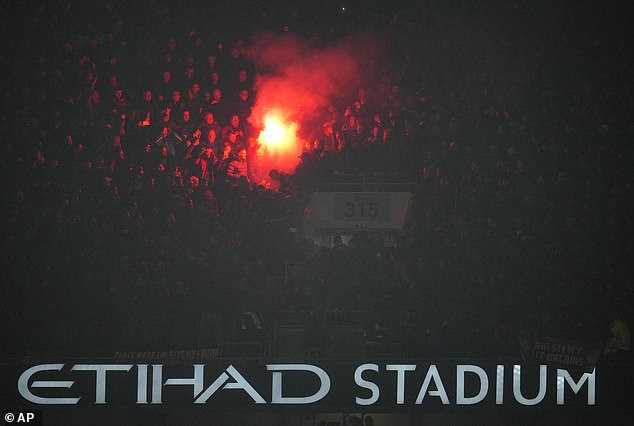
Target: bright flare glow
(278, 136)
(273, 132)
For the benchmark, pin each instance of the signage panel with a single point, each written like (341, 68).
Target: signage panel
(267, 385)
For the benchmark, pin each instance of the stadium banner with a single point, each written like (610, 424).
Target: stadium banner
(265, 385)
(567, 354)
(173, 356)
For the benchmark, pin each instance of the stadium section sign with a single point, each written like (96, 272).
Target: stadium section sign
(344, 213)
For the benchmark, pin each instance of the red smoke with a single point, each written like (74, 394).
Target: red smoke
(295, 83)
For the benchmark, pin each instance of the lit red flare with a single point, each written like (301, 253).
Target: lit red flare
(277, 136)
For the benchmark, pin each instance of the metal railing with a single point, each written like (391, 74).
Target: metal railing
(367, 183)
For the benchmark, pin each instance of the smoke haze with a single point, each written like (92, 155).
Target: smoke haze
(298, 80)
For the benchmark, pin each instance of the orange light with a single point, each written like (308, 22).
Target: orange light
(278, 136)
(273, 133)
(279, 147)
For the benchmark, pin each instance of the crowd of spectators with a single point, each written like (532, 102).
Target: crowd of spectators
(130, 219)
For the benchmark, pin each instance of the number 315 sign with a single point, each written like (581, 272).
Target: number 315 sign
(362, 207)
